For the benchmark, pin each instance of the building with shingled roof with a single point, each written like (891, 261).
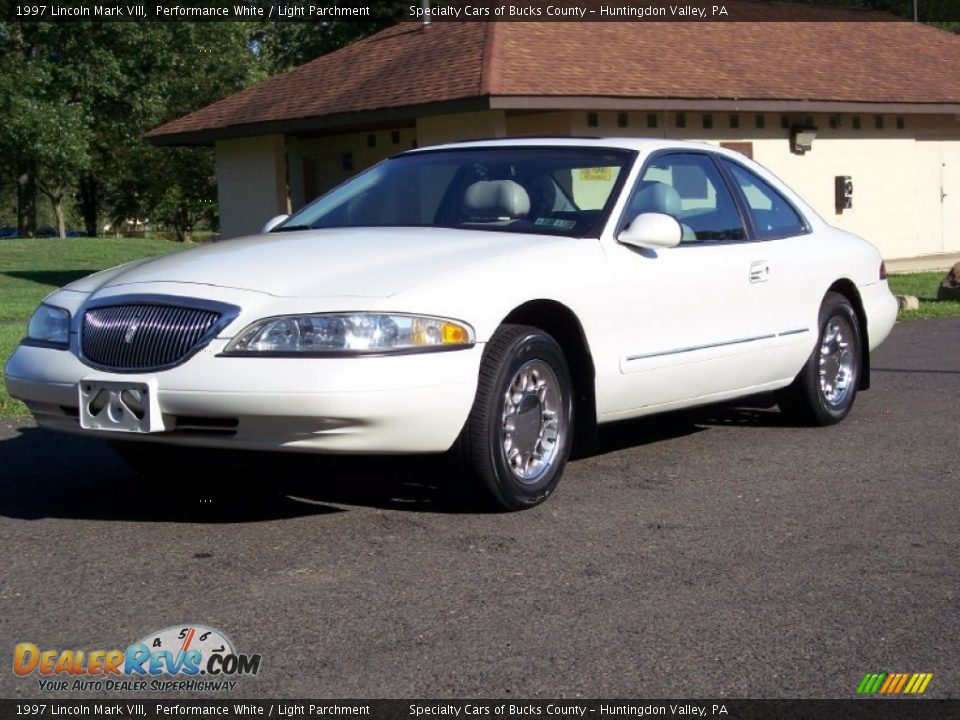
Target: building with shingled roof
(877, 103)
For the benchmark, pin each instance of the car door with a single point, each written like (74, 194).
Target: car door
(696, 320)
(799, 264)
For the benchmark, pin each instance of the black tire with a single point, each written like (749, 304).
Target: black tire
(502, 475)
(839, 349)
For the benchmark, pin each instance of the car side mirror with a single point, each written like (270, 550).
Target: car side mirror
(652, 230)
(272, 223)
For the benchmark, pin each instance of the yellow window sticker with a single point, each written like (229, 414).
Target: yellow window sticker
(603, 174)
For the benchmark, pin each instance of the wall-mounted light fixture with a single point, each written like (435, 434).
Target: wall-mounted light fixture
(801, 139)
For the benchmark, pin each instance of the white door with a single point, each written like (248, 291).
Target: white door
(950, 196)
(696, 320)
(938, 187)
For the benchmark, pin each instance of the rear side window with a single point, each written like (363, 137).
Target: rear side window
(773, 217)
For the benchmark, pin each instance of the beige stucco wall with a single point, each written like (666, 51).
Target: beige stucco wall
(251, 183)
(318, 164)
(436, 129)
(885, 180)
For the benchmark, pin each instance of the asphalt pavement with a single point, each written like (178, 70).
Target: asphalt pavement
(714, 553)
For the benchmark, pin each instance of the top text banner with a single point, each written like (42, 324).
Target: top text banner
(459, 11)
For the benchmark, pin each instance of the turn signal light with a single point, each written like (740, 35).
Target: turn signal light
(453, 334)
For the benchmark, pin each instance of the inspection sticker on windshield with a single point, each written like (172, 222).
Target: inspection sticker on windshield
(558, 223)
(598, 173)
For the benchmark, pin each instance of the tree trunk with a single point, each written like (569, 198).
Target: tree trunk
(58, 214)
(90, 203)
(55, 194)
(26, 199)
(183, 226)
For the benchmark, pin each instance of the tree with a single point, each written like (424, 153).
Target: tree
(283, 45)
(48, 71)
(77, 99)
(177, 186)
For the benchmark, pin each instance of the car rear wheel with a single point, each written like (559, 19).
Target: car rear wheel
(824, 391)
(516, 441)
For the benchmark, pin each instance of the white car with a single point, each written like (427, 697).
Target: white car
(499, 299)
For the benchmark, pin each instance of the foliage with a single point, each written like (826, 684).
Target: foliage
(943, 13)
(77, 99)
(283, 45)
(46, 117)
(176, 186)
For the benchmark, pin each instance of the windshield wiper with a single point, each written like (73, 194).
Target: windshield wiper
(288, 228)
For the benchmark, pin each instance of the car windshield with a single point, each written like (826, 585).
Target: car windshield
(544, 190)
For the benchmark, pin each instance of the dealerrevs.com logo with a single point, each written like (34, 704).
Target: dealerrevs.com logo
(179, 658)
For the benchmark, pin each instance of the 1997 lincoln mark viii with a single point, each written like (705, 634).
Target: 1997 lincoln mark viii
(497, 299)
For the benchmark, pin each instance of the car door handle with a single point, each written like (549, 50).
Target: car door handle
(759, 271)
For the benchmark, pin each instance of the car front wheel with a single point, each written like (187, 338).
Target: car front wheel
(516, 441)
(824, 391)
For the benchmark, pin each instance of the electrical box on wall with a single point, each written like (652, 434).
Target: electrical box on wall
(843, 190)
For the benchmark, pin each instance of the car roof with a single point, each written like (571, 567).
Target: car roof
(621, 143)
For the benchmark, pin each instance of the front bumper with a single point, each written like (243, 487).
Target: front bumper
(386, 404)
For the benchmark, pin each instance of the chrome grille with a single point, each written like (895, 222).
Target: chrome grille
(142, 336)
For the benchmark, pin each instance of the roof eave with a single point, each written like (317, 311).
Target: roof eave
(320, 124)
(407, 115)
(594, 102)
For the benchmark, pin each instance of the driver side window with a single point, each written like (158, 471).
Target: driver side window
(688, 187)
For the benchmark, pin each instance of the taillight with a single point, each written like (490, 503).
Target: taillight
(883, 270)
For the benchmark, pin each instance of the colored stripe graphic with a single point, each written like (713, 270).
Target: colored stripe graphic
(870, 683)
(891, 683)
(894, 683)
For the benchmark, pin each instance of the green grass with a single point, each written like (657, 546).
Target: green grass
(923, 285)
(31, 269)
(10, 335)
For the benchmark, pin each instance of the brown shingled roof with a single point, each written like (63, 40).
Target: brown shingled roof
(414, 69)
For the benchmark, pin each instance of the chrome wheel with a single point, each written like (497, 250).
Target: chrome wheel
(837, 361)
(531, 425)
(826, 387)
(515, 443)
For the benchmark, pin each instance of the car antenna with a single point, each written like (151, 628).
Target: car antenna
(425, 4)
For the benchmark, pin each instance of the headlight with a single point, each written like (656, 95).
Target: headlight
(50, 325)
(350, 333)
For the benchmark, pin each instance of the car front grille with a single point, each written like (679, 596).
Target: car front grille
(143, 336)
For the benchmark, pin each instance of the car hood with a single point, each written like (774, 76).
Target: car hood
(361, 262)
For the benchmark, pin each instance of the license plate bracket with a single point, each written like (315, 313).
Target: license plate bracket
(131, 407)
